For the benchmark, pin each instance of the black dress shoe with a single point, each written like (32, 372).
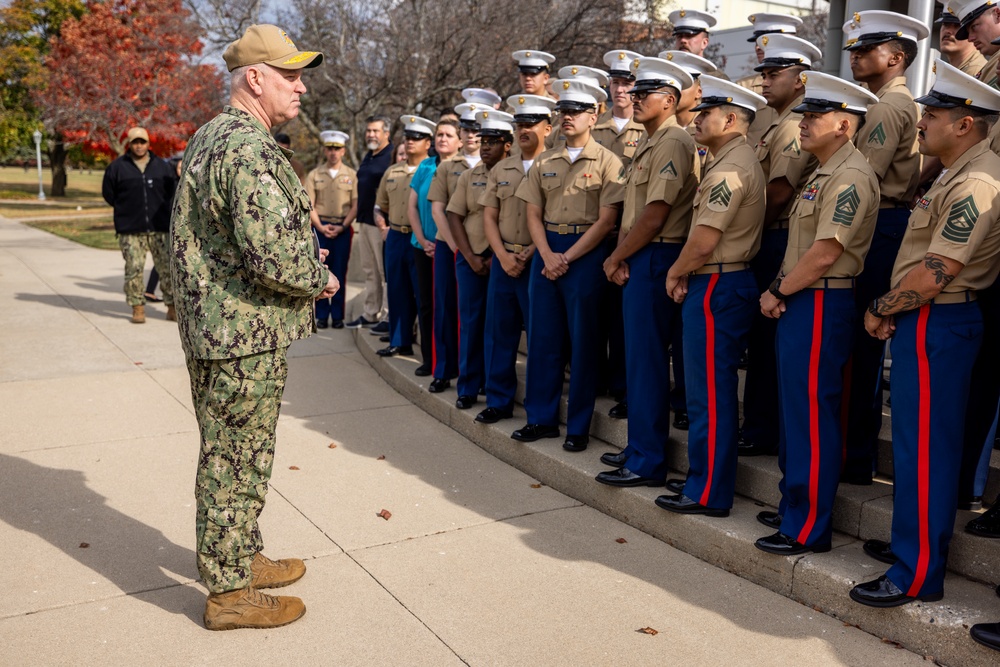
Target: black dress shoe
(384, 339)
(532, 432)
(338, 324)
(625, 477)
(883, 593)
(396, 350)
(769, 519)
(438, 385)
(684, 505)
(576, 443)
(422, 371)
(975, 503)
(783, 545)
(676, 485)
(986, 524)
(987, 634)
(750, 448)
(616, 459)
(321, 324)
(620, 411)
(493, 415)
(465, 402)
(681, 422)
(880, 550)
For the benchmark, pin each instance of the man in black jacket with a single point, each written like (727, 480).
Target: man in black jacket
(140, 187)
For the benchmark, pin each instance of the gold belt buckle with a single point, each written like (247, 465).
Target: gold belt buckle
(517, 247)
(563, 229)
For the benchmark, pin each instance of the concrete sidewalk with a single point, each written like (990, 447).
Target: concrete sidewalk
(478, 564)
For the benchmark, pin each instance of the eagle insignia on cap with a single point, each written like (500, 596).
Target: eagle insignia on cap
(621, 55)
(288, 40)
(635, 63)
(683, 13)
(520, 100)
(752, 18)
(527, 54)
(565, 85)
(575, 70)
(857, 17)
(805, 78)
(670, 56)
(763, 40)
(412, 119)
(486, 114)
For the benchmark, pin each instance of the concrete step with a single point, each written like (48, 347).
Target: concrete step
(821, 581)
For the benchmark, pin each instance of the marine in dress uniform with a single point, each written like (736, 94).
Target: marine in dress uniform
(948, 254)
(659, 193)
(443, 185)
(718, 292)
(885, 46)
(786, 167)
(960, 53)
(765, 24)
(595, 77)
(617, 130)
(333, 190)
(473, 264)
(505, 224)
(691, 30)
(980, 25)
(392, 200)
(572, 195)
(831, 227)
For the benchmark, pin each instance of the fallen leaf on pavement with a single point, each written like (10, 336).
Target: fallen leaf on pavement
(381, 458)
(648, 631)
(84, 545)
(333, 445)
(621, 540)
(293, 467)
(385, 514)
(536, 486)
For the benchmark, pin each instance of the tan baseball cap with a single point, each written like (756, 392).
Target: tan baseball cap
(137, 133)
(270, 45)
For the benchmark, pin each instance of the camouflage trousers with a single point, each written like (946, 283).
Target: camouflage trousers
(134, 248)
(237, 403)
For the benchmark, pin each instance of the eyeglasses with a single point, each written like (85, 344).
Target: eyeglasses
(643, 94)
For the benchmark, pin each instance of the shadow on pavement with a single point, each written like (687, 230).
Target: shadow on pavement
(57, 505)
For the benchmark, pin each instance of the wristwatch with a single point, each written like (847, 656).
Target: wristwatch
(873, 309)
(775, 289)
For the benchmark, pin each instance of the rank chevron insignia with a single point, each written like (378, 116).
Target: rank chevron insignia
(669, 171)
(792, 147)
(961, 219)
(877, 135)
(847, 206)
(721, 194)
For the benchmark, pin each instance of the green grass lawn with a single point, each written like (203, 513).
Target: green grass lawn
(79, 184)
(93, 232)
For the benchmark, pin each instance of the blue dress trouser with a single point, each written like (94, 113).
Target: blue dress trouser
(933, 351)
(863, 390)
(567, 305)
(612, 332)
(507, 312)
(718, 312)
(401, 286)
(760, 388)
(472, 289)
(336, 261)
(650, 318)
(445, 313)
(814, 340)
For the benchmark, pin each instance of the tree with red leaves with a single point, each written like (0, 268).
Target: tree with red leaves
(126, 63)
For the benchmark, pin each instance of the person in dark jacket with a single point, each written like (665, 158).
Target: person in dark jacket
(140, 187)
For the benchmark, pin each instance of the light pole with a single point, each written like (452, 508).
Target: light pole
(38, 158)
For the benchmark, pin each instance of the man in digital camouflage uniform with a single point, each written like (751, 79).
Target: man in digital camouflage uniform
(246, 274)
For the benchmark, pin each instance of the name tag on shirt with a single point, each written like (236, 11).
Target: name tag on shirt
(503, 183)
(550, 173)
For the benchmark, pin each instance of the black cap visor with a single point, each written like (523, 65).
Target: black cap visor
(410, 134)
(779, 63)
(963, 30)
(872, 39)
(621, 74)
(652, 84)
(530, 118)
(689, 30)
(947, 17)
(571, 105)
(945, 101)
(504, 134)
(532, 70)
(816, 105)
(758, 33)
(470, 125)
(709, 102)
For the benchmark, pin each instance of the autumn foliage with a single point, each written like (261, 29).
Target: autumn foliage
(127, 63)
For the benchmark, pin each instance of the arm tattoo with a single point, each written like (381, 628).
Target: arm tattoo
(937, 267)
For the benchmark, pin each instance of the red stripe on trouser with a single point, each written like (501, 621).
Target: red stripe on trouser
(923, 450)
(814, 353)
(710, 376)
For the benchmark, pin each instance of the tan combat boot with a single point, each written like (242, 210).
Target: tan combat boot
(268, 573)
(138, 314)
(171, 313)
(249, 608)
